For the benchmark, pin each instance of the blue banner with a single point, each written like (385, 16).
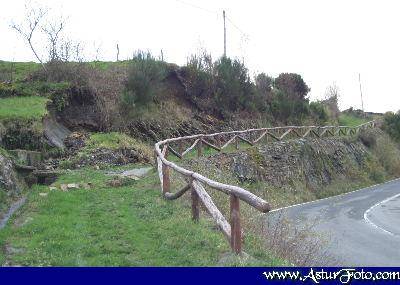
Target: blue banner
(196, 275)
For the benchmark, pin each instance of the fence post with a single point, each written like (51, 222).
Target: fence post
(195, 203)
(165, 172)
(218, 141)
(200, 147)
(249, 136)
(180, 147)
(236, 231)
(155, 159)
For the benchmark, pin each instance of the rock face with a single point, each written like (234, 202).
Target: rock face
(314, 162)
(103, 156)
(9, 182)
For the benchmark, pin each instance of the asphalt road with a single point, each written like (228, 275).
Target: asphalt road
(363, 227)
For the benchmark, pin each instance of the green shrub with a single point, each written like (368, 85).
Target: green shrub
(233, 90)
(7, 90)
(286, 110)
(144, 78)
(292, 85)
(23, 134)
(368, 138)
(198, 73)
(264, 85)
(34, 88)
(223, 86)
(60, 99)
(377, 176)
(388, 154)
(289, 103)
(391, 125)
(319, 112)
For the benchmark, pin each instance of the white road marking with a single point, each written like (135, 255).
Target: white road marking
(374, 206)
(314, 201)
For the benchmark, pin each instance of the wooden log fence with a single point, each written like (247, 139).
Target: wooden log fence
(197, 182)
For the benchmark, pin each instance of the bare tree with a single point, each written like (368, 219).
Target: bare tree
(332, 96)
(97, 49)
(33, 16)
(332, 91)
(57, 44)
(78, 51)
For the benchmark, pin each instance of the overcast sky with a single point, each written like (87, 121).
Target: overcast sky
(324, 41)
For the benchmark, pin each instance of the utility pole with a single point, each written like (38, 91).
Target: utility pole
(362, 102)
(117, 52)
(223, 13)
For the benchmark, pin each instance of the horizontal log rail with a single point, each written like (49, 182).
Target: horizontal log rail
(219, 141)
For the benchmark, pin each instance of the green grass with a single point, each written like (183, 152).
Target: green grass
(4, 152)
(23, 107)
(105, 65)
(351, 120)
(19, 70)
(115, 140)
(111, 140)
(112, 226)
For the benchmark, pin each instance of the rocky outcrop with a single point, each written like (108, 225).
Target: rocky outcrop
(313, 162)
(104, 156)
(9, 182)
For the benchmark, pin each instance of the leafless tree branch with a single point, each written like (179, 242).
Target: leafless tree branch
(33, 16)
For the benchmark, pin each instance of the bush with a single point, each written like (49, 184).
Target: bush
(75, 73)
(144, 77)
(292, 85)
(264, 85)
(7, 90)
(199, 81)
(223, 86)
(331, 101)
(387, 153)
(391, 125)
(22, 134)
(199, 75)
(289, 102)
(286, 110)
(319, 112)
(367, 138)
(233, 90)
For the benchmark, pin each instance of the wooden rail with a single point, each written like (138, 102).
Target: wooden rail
(220, 141)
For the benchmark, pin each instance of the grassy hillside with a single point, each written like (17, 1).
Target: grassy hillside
(16, 70)
(24, 108)
(351, 120)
